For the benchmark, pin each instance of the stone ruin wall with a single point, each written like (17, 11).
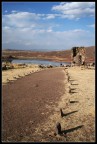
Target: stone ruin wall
(78, 55)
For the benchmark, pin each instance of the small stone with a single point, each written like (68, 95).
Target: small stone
(58, 128)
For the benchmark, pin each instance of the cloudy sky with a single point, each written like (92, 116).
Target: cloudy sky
(47, 25)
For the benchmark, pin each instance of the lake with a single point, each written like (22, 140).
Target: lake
(43, 62)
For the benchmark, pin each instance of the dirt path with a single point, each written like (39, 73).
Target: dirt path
(29, 101)
(78, 106)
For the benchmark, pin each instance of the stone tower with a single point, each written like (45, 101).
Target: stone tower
(78, 55)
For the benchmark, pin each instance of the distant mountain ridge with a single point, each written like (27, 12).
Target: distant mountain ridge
(62, 56)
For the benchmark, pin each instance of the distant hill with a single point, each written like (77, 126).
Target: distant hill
(90, 53)
(62, 56)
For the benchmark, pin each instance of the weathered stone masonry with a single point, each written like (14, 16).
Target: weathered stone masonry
(78, 55)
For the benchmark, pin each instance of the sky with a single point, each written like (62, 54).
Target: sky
(47, 26)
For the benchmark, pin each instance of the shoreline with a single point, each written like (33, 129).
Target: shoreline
(44, 59)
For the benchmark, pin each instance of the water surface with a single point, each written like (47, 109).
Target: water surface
(43, 62)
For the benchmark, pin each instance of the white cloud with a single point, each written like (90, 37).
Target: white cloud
(79, 30)
(14, 11)
(5, 11)
(75, 10)
(62, 3)
(93, 25)
(20, 19)
(49, 30)
(50, 16)
(27, 20)
(6, 27)
(45, 39)
(24, 30)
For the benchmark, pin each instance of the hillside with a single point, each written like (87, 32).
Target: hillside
(90, 53)
(64, 56)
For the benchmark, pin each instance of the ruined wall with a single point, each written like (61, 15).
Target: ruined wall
(78, 55)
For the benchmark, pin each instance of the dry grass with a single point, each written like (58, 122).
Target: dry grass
(18, 72)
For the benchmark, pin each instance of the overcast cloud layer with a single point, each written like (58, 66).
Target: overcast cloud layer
(40, 31)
